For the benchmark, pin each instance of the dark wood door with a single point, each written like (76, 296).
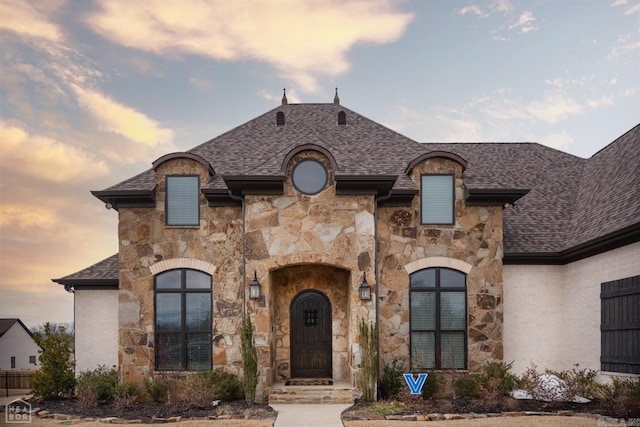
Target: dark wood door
(310, 335)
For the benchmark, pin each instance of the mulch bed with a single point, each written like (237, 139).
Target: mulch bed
(147, 412)
(466, 405)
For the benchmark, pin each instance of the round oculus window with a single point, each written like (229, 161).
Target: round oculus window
(309, 177)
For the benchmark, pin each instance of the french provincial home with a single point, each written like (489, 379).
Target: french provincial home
(311, 218)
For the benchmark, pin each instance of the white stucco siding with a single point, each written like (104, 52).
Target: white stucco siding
(552, 313)
(96, 328)
(17, 342)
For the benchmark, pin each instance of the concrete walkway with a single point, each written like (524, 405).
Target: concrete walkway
(309, 415)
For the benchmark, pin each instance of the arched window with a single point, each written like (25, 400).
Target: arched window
(183, 320)
(279, 118)
(438, 312)
(342, 118)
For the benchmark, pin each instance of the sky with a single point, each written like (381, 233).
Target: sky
(92, 92)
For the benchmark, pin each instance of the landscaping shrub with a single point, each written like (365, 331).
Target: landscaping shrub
(624, 395)
(540, 388)
(497, 379)
(249, 361)
(99, 383)
(581, 382)
(225, 385)
(391, 381)
(431, 386)
(55, 376)
(124, 396)
(468, 386)
(369, 356)
(156, 388)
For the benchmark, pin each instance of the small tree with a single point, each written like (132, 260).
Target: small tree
(249, 361)
(368, 364)
(55, 376)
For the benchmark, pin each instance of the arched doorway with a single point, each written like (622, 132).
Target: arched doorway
(310, 320)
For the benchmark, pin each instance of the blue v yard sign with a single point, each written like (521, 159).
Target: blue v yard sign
(415, 384)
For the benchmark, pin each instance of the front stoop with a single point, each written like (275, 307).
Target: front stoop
(315, 394)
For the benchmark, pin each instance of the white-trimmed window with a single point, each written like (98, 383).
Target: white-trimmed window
(182, 200)
(438, 199)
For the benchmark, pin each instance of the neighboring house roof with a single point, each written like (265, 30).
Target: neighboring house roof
(6, 324)
(575, 207)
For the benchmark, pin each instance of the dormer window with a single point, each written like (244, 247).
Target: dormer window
(342, 118)
(438, 199)
(279, 118)
(182, 200)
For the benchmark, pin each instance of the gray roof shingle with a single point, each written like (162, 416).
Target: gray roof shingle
(571, 201)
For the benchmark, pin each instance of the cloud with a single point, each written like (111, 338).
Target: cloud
(554, 106)
(624, 44)
(302, 40)
(473, 9)
(25, 217)
(525, 23)
(45, 158)
(120, 119)
(604, 100)
(557, 140)
(292, 96)
(631, 10)
(20, 17)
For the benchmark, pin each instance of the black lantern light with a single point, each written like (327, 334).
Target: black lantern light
(254, 287)
(365, 289)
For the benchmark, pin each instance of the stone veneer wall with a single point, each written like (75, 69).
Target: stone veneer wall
(147, 243)
(321, 231)
(475, 239)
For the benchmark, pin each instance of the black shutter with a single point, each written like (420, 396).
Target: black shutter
(620, 326)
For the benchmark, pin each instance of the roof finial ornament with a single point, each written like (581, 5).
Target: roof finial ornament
(284, 97)
(336, 100)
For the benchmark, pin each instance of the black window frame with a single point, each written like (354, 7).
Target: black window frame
(453, 199)
(438, 290)
(342, 118)
(620, 325)
(32, 360)
(183, 291)
(166, 201)
(13, 362)
(280, 121)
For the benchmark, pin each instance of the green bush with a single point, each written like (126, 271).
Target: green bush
(101, 381)
(431, 386)
(468, 386)
(391, 381)
(497, 379)
(55, 376)
(124, 396)
(156, 388)
(581, 382)
(624, 396)
(225, 385)
(249, 361)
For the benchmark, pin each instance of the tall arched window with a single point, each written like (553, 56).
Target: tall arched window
(279, 118)
(183, 320)
(438, 310)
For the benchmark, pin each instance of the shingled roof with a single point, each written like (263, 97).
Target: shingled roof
(575, 207)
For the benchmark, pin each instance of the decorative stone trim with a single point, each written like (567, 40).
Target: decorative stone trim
(175, 263)
(438, 261)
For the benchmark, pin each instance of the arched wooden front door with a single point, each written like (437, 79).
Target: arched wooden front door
(310, 335)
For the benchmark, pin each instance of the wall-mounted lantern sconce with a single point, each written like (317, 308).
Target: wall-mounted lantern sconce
(254, 287)
(365, 289)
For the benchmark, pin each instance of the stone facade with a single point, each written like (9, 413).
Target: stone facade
(475, 240)
(295, 242)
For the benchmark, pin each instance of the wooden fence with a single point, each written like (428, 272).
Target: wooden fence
(15, 382)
